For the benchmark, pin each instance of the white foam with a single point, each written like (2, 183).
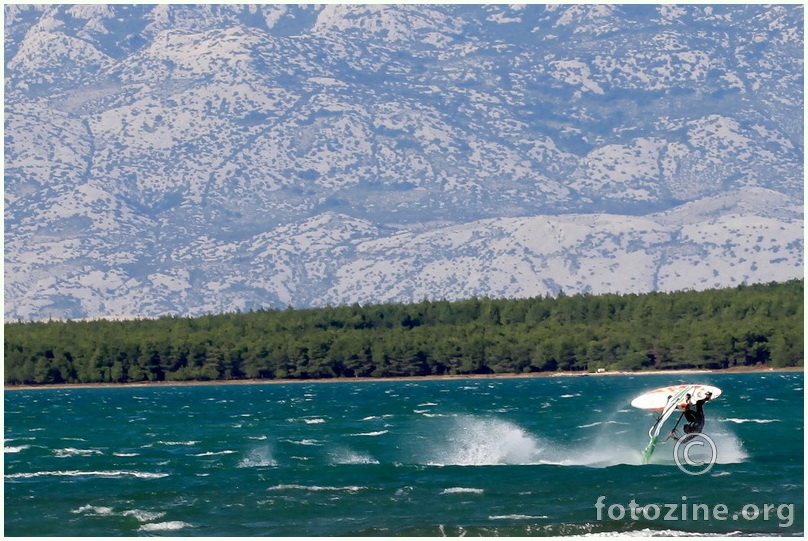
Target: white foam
(597, 423)
(215, 453)
(473, 441)
(462, 490)
(317, 488)
(741, 421)
(169, 526)
(730, 449)
(516, 517)
(15, 449)
(143, 516)
(100, 510)
(78, 473)
(93, 510)
(347, 456)
(70, 451)
(376, 433)
(124, 455)
(258, 458)
(305, 442)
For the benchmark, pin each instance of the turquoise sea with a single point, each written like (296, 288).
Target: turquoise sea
(545, 456)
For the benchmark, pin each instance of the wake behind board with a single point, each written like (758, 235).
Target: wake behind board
(668, 399)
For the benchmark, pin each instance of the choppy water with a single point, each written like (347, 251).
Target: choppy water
(411, 458)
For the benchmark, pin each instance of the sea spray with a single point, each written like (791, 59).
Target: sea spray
(476, 441)
(344, 455)
(258, 457)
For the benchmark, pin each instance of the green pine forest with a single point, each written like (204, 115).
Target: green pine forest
(743, 326)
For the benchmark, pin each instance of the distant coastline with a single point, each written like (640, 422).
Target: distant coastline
(733, 370)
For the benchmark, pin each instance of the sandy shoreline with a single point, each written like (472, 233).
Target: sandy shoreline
(734, 370)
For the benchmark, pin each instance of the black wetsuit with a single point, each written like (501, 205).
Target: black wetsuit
(695, 419)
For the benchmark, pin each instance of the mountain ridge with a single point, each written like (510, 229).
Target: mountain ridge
(194, 159)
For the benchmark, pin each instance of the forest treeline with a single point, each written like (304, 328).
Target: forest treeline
(747, 325)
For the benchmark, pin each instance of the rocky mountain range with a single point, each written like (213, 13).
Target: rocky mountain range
(179, 159)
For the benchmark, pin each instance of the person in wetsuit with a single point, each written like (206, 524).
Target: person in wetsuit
(694, 417)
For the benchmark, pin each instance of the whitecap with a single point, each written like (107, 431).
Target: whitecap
(79, 473)
(346, 456)
(313, 421)
(306, 442)
(376, 433)
(93, 510)
(317, 488)
(69, 451)
(15, 449)
(172, 525)
(143, 516)
(462, 490)
(596, 423)
(516, 517)
(189, 442)
(125, 455)
(214, 453)
(741, 421)
(6, 440)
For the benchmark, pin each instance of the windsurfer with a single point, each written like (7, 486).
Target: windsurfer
(694, 416)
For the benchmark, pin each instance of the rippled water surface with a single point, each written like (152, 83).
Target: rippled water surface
(523, 456)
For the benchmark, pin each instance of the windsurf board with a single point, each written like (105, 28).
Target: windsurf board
(658, 398)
